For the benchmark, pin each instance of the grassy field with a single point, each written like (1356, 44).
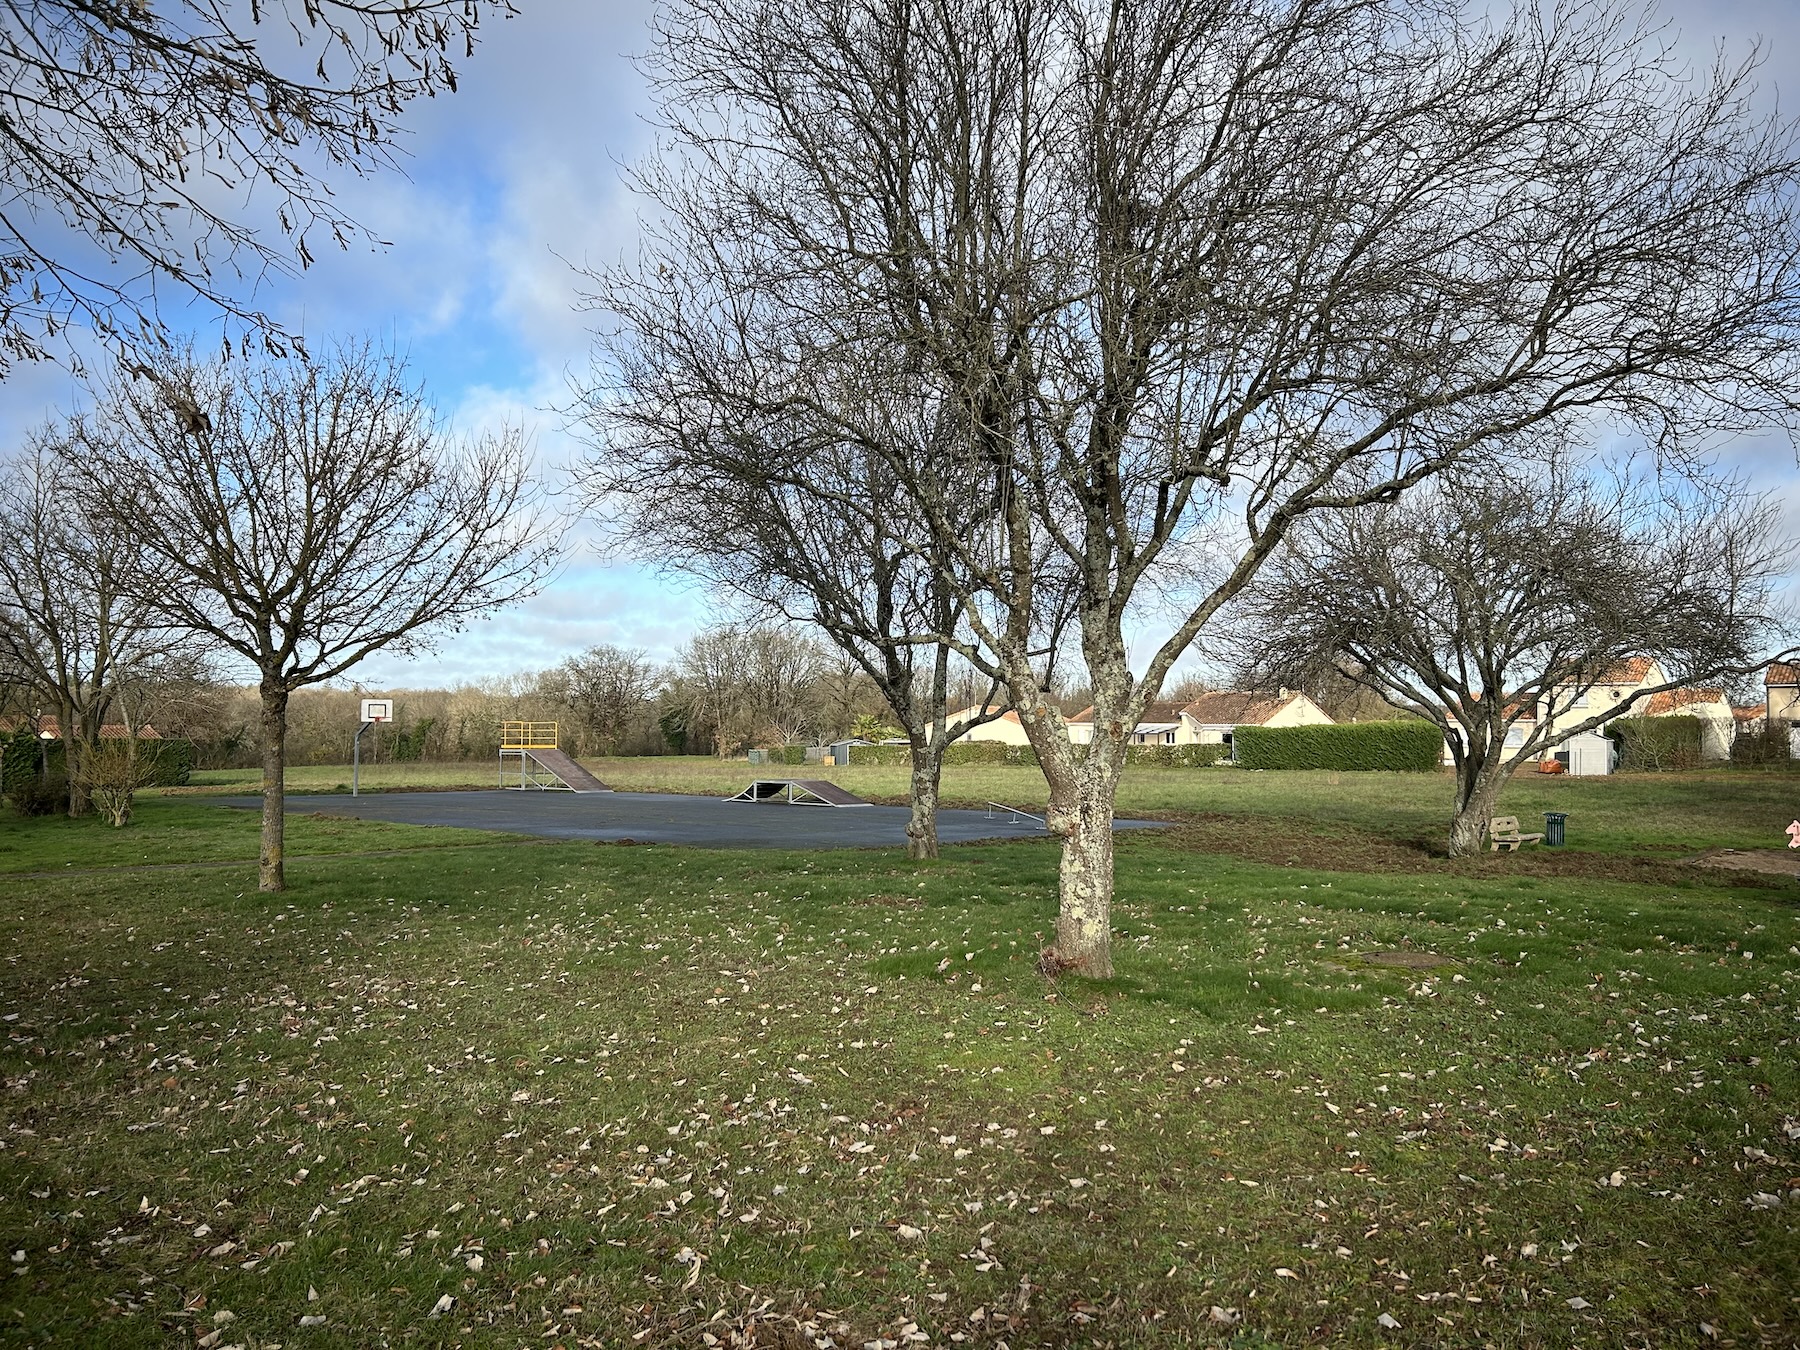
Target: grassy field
(454, 1090)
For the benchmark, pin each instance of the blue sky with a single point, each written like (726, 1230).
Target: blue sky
(513, 183)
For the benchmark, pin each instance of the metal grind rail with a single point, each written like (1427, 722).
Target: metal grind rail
(1014, 813)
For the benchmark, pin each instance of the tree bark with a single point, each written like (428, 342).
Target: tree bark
(927, 772)
(75, 733)
(1477, 794)
(1082, 792)
(274, 763)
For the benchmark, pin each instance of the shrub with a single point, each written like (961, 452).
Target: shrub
(40, 796)
(785, 754)
(1754, 749)
(1656, 744)
(115, 771)
(174, 760)
(1391, 747)
(409, 746)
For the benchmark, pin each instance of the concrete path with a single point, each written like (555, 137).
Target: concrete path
(661, 818)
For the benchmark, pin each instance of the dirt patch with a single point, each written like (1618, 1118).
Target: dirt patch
(1405, 960)
(1775, 862)
(1296, 842)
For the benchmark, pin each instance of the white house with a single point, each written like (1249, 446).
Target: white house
(1591, 752)
(1006, 729)
(1211, 718)
(1208, 720)
(1781, 683)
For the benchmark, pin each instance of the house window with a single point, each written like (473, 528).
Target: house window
(1580, 700)
(1168, 738)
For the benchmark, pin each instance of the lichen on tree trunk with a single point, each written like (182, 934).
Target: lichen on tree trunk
(921, 827)
(1084, 916)
(1082, 791)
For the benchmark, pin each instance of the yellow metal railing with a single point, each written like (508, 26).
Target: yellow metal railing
(528, 736)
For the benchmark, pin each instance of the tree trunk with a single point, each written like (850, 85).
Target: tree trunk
(1081, 811)
(1477, 794)
(927, 772)
(75, 733)
(274, 757)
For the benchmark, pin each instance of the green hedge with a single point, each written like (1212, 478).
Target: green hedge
(1391, 747)
(1656, 744)
(894, 756)
(1176, 756)
(22, 764)
(997, 752)
(22, 758)
(962, 752)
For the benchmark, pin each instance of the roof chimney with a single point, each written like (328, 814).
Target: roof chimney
(1283, 693)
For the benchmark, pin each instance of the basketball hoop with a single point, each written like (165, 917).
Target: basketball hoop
(374, 712)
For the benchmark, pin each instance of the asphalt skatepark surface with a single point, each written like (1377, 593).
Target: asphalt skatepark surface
(663, 818)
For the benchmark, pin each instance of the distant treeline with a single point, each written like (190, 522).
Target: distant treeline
(729, 689)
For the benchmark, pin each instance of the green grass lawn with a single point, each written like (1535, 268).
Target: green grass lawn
(172, 829)
(597, 1095)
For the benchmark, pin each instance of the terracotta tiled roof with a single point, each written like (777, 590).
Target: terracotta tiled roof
(1514, 708)
(1630, 671)
(49, 725)
(1658, 705)
(1781, 673)
(1161, 711)
(1750, 714)
(1234, 708)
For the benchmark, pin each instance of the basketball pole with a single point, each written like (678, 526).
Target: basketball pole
(356, 757)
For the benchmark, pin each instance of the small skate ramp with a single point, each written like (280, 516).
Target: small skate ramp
(566, 771)
(798, 792)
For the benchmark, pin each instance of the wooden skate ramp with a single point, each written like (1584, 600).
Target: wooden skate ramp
(571, 774)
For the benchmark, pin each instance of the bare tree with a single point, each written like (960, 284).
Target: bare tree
(1492, 601)
(74, 628)
(306, 514)
(1183, 272)
(609, 690)
(748, 681)
(784, 517)
(142, 142)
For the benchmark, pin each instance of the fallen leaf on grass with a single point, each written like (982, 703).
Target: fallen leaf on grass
(1578, 1303)
(444, 1304)
(1387, 1322)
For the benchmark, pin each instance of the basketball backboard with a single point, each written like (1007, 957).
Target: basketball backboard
(377, 710)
